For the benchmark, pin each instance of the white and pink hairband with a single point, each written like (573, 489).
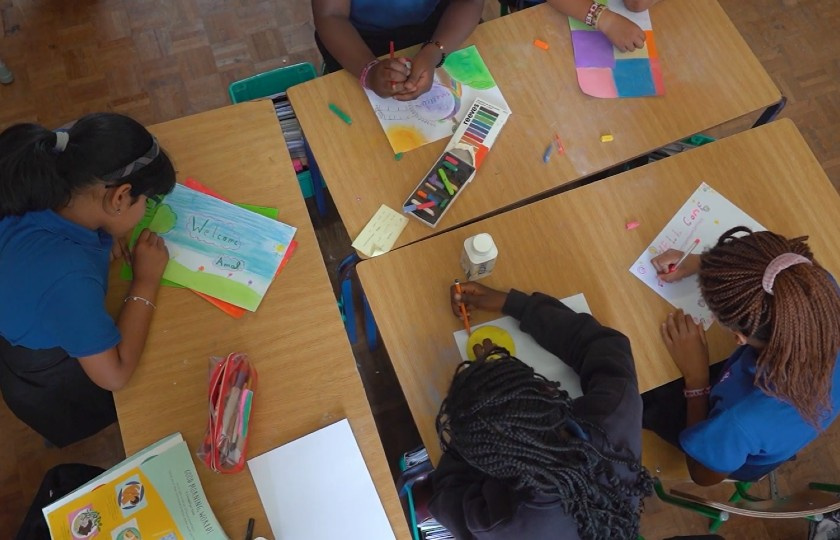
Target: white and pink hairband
(783, 261)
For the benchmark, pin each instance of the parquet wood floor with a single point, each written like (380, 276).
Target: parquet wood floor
(162, 59)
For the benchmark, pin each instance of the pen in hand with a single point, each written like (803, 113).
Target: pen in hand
(463, 307)
(673, 266)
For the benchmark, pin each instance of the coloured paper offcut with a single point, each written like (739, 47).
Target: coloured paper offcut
(218, 248)
(381, 232)
(436, 114)
(705, 215)
(530, 352)
(318, 488)
(605, 72)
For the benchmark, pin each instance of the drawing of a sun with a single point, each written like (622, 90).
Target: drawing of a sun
(404, 137)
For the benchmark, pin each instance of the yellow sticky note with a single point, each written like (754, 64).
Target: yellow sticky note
(381, 232)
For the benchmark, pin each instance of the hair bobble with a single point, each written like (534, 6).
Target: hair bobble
(61, 140)
(783, 261)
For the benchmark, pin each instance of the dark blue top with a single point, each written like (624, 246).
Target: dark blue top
(53, 280)
(748, 433)
(388, 14)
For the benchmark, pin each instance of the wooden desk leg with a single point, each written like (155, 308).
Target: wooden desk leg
(771, 112)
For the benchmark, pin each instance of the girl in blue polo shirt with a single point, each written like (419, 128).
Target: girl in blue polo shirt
(781, 386)
(351, 34)
(67, 199)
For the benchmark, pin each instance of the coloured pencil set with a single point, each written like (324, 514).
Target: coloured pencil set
(457, 166)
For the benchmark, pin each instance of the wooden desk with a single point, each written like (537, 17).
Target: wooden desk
(710, 74)
(307, 373)
(576, 242)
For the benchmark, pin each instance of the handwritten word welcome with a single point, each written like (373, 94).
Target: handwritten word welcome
(211, 231)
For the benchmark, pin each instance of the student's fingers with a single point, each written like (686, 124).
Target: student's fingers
(471, 301)
(478, 350)
(679, 322)
(396, 71)
(488, 345)
(666, 337)
(702, 332)
(671, 326)
(661, 261)
(144, 236)
(639, 42)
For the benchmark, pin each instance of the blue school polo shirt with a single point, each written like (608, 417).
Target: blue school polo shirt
(748, 433)
(53, 280)
(388, 14)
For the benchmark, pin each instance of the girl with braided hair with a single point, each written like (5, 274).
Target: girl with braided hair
(522, 460)
(781, 387)
(67, 199)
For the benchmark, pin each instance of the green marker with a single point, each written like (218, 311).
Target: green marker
(341, 114)
(450, 166)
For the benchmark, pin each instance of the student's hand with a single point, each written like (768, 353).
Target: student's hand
(119, 249)
(150, 258)
(621, 31)
(686, 342)
(383, 74)
(476, 296)
(689, 267)
(422, 74)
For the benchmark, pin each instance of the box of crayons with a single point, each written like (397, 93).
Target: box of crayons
(461, 158)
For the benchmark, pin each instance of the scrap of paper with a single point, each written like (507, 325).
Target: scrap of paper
(381, 232)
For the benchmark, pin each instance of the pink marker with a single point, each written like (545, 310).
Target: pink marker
(673, 266)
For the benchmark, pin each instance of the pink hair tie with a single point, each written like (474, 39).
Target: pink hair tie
(785, 260)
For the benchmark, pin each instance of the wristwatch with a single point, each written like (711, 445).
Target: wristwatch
(440, 48)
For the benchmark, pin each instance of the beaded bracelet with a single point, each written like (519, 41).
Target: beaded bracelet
(139, 299)
(365, 70)
(696, 392)
(597, 16)
(594, 14)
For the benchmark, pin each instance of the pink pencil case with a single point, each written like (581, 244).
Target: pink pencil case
(231, 395)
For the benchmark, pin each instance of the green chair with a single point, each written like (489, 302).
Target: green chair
(667, 463)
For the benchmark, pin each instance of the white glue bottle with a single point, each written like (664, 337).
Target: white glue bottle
(479, 256)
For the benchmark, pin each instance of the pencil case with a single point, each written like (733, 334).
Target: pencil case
(231, 394)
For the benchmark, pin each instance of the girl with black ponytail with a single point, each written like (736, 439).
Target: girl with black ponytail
(67, 200)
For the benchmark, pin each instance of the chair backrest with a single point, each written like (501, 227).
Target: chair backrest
(270, 82)
(808, 502)
(663, 459)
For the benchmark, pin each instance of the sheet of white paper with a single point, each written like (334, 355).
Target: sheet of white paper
(641, 18)
(318, 488)
(381, 232)
(529, 351)
(705, 215)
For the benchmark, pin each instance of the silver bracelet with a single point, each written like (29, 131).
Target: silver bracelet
(139, 299)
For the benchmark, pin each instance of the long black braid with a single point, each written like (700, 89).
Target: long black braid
(509, 422)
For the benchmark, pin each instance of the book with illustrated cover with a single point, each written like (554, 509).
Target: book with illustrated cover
(154, 494)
